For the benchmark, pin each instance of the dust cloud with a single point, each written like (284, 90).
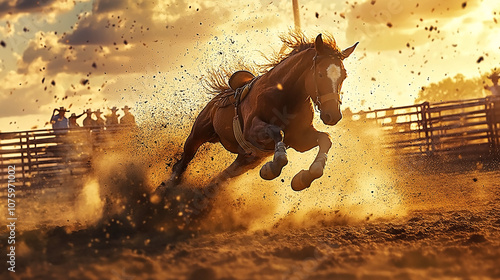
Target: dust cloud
(360, 184)
(88, 204)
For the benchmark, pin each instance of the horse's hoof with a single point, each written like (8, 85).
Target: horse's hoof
(316, 169)
(267, 172)
(302, 180)
(272, 169)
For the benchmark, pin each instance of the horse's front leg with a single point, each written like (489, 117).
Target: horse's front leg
(304, 178)
(264, 134)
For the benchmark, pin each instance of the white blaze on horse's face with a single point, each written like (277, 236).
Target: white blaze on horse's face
(329, 80)
(333, 72)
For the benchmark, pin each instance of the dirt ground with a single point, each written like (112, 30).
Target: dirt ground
(450, 230)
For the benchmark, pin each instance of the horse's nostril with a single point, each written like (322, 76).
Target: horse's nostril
(328, 117)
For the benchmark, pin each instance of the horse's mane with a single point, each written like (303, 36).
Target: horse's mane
(293, 42)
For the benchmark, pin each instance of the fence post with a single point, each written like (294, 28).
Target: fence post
(426, 126)
(22, 159)
(28, 152)
(491, 119)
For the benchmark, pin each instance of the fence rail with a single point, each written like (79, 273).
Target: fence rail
(50, 157)
(461, 129)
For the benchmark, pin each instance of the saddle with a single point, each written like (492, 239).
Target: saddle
(240, 79)
(240, 83)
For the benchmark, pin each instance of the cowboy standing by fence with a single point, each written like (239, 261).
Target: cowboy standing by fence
(113, 118)
(495, 88)
(99, 121)
(88, 121)
(73, 118)
(128, 118)
(59, 122)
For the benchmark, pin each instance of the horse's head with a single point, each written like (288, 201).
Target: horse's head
(326, 79)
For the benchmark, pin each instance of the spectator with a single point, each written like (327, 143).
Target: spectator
(88, 121)
(495, 88)
(73, 118)
(99, 121)
(113, 118)
(128, 118)
(59, 122)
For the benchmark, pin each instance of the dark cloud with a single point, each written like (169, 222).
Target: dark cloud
(105, 6)
(61, 58)
(116, 21)
(130, 38)
(24, 6)
(90, 32)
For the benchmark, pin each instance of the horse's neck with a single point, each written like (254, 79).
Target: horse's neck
(295, 68)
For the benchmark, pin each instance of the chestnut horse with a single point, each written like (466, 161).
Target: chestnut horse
(277, 113)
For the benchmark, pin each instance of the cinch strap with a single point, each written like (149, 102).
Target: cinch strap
(239, 95)
(238, 134)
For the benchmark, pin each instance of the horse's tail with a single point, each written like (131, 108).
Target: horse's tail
(216, 79)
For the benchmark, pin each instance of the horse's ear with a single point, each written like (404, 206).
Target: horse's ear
(318, 44)
(347, 52)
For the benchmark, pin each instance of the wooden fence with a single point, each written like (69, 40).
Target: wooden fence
(52, 157)
(463, 129)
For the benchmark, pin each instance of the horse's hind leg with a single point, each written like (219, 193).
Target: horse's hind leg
(203, 198)
(240, 165)
(201, 132)
(191, 146)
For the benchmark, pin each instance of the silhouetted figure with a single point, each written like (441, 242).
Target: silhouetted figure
(495, 88)
(347, 113)
(88, 121)
(113, 118)
(99, 121)
(59, 121)
(73, 118)
(128, 118)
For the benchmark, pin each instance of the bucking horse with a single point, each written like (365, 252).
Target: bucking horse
(259, 117)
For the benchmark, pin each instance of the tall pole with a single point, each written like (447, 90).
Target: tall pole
(296, 14)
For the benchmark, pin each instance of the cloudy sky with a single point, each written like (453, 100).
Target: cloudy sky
(152, 54)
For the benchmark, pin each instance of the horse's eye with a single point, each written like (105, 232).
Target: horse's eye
(320, 75)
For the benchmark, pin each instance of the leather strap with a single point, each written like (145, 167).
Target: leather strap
(239, 95)
(248, 147)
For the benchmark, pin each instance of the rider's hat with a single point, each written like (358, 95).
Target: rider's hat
(494, 76)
